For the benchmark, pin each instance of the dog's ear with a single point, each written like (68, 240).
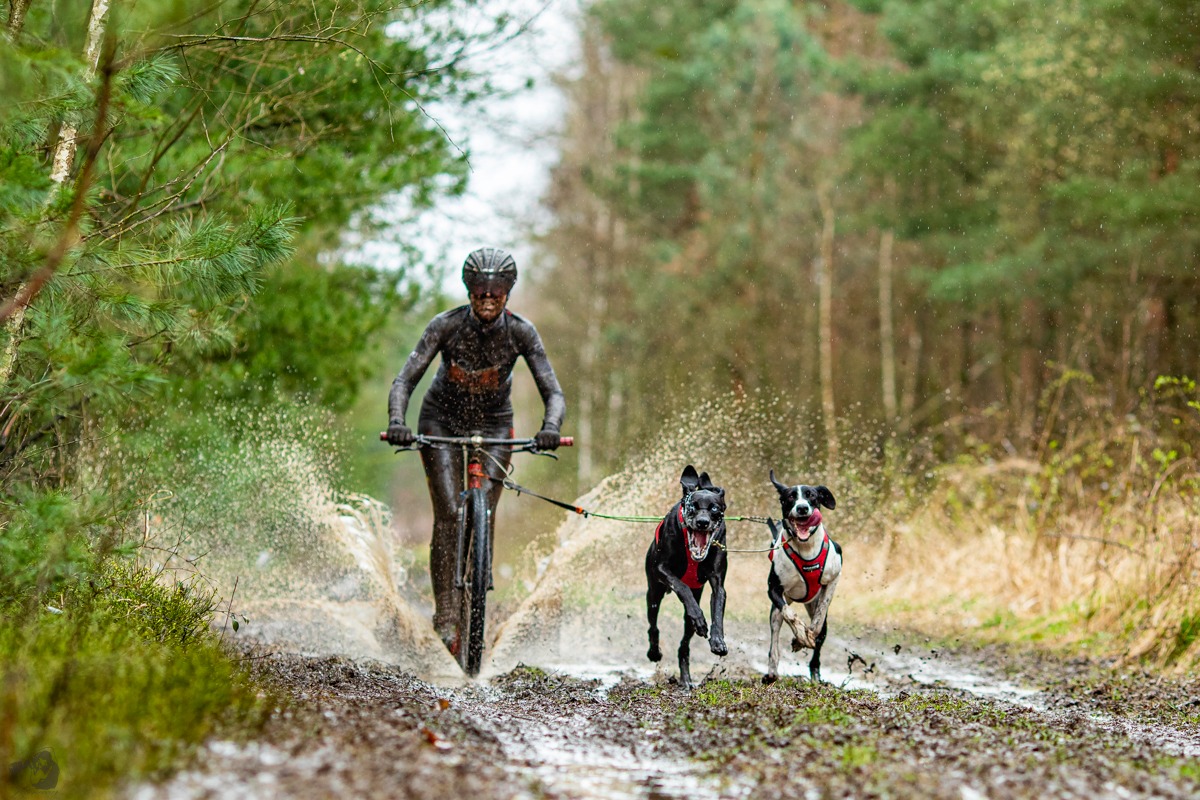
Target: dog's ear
(779, 487)
(825, 497)
(705, 482)
(689, 479)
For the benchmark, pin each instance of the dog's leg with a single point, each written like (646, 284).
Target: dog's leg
(818, 611)
(716, 634)
(654, 596)
(802, 635)
(814, 664)
(685, 653)
(691, 606)
(778, 604)
(819, 607)
(773, 653)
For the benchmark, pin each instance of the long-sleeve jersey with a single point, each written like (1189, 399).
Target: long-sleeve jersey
(473, 385)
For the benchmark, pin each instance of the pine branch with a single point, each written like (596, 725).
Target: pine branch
(70, 233)
(377, 69)
(110, 232)
(13, 312)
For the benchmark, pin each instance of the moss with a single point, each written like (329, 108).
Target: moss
(125, 682)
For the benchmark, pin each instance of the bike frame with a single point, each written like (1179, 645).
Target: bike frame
(473, 499)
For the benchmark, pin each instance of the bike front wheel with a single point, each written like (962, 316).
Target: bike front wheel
(477, 571)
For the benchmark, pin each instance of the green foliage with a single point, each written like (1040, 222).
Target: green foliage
(318, 338)
(120, 681)
(187, 277)
(237, 138)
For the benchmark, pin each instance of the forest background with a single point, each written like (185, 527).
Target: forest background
(952, 245)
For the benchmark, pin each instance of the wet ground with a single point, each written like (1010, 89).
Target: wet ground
(910, 719)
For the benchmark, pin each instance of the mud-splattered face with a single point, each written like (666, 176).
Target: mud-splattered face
(703, 516)
(488, 301)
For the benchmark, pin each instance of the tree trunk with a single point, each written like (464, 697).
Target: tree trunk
(825, 320)
(16, 17)
(887, 333)
(908, 394)
(64, 151)
(1030, 369)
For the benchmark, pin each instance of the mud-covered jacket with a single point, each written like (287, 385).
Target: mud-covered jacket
(473, 385)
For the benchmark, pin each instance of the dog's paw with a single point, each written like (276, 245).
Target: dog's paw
(801, 642)
(814, 675)
(768, 679)
(700, 626)
(654, 654)
(718, 647)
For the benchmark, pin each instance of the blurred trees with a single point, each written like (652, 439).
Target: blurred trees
(1017, 181)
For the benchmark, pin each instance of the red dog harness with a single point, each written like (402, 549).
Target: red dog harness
(810, 569)
(690, 577)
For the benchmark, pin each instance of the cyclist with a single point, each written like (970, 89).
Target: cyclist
(471, 393)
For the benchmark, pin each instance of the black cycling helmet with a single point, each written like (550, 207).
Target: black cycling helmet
(489, 266)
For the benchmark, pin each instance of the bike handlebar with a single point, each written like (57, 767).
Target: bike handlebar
(478, 441)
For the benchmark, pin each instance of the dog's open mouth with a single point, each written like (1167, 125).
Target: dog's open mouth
(802, 528)
(698, 543)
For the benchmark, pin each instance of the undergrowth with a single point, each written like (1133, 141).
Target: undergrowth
(112, 664)
(1092, 542)
(119, 677)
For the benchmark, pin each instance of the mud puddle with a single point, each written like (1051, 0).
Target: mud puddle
(963, 723)
(586, 750)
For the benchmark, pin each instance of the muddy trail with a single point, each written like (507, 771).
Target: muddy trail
(914, 720)
(567, 706)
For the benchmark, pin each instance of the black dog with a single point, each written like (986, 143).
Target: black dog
(805, 569)
(682, 558)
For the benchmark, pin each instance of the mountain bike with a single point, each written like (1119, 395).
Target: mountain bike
(473, 565)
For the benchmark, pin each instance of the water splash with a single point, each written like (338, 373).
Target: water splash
(302, 566)
(588, 608)
(252, 505)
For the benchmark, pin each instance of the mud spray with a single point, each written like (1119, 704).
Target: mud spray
(299, 564)
(587, 613)
(304, 567)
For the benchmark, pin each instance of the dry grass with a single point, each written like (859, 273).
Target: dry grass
(1104, 560)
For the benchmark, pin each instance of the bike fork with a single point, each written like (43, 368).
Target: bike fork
(462, 541)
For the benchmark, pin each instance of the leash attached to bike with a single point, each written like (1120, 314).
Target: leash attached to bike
(586, 513)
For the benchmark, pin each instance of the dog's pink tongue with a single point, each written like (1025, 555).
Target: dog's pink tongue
(814, 519)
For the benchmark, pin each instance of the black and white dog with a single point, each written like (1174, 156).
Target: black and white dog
(804, 569)
(682, 558)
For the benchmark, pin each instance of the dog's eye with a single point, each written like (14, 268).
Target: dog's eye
(717, 513)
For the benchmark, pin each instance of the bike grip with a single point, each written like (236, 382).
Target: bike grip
(383, 436)
(566, 441)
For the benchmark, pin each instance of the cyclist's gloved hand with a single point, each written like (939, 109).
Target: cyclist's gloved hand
(399, 434)
(547, 439)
